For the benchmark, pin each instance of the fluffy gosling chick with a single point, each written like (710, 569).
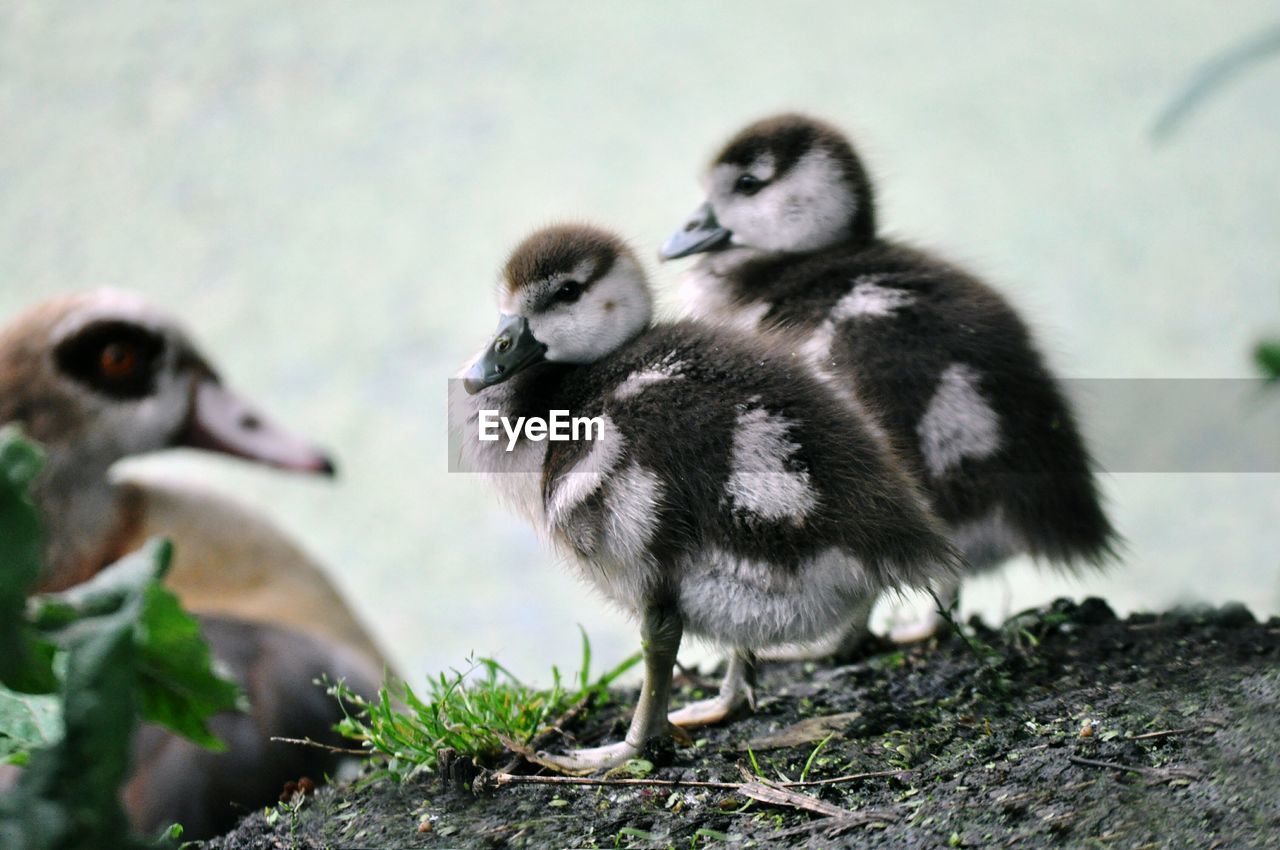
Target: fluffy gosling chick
(727, 493)
(789, 242)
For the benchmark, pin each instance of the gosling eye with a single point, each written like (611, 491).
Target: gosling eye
(748, 184)
(568, 292)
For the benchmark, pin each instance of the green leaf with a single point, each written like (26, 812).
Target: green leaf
(25, 663)
(1267, 356)
(128, 648)
(177, 685)
(67, 797)
(27, 722)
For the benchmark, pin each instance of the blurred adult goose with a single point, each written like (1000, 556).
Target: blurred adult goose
(721, 490)
(789, 242)
(103, 376)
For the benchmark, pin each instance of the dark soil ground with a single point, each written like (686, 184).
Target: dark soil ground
(1065, 728)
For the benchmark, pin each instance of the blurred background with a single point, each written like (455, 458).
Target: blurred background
(325, 194)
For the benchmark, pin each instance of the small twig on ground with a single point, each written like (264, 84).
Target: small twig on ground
(1155, 775)
(851, 777)
(307, 742)
(832, 828)
(772, 793)
(768, 792)
(1162, 734)
(1110, 765)
(501, 778)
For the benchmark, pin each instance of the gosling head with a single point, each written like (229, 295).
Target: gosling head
(785, 184)
(569, 294)
(102, 376)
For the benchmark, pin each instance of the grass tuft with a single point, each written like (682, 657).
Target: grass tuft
(469, 711)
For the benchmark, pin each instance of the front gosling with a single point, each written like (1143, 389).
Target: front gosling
(726, 493)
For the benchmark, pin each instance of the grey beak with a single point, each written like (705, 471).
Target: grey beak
(513, 348)
(701, 232)
(222, 421)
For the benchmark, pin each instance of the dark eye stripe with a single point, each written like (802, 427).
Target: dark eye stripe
(80, 357)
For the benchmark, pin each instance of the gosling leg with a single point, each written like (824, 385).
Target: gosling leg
(660, 631)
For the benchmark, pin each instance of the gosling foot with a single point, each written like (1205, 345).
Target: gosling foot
(737, 690)
(706, 712)
(591, 760)
(916, 631)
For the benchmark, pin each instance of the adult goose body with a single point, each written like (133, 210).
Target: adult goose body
(103, 376)
(727, 494)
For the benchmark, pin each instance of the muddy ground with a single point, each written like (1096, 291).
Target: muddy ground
(1065, 728)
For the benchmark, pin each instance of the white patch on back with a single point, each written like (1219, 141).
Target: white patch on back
(817, 347)
(958, 423)
(759, 481)
(631, 513)
(587, 475)
(748, 603)
(868, 298)
(619, 565)
(641, 379)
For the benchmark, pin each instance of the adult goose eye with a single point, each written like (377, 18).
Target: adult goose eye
(119, 360)
(568, 292)
(116, 359)
(748, 184)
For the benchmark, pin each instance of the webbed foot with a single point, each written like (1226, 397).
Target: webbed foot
(592, 759)
(705, 712)
(737, 689)
(916, 631)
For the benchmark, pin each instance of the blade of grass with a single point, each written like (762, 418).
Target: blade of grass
(804, 773)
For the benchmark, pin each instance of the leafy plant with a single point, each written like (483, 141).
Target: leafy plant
(79, 669)
(1267, 355)
(26, 662)
(470, 711)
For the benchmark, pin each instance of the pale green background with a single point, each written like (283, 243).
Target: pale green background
(325, 192)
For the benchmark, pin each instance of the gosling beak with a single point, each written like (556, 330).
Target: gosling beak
(223, 422)
(513, 348)
(701, 232)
